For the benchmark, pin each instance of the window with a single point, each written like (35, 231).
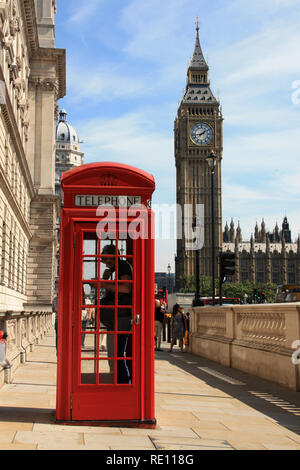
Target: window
(260, 265)
(291, 278)
(3, 252)
(275, 265)
(291, 266)
(260, 277)
(244, 264)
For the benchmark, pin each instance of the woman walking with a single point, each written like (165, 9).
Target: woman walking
(178, 326)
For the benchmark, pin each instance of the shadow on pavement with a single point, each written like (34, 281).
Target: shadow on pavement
(27, 415)
(274, 401)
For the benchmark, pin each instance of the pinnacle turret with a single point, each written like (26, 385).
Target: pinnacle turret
(198, 60)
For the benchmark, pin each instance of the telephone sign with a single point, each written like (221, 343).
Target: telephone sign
(106, 200)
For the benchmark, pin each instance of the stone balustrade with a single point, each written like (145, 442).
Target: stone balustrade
(25, 330)
(257, 339)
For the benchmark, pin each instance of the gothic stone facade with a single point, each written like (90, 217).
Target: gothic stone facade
(32, 79)
(198, 130)
(267, 257)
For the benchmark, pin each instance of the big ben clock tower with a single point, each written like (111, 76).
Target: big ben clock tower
(198, 131)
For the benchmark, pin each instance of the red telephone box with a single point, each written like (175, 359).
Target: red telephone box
(106, 297)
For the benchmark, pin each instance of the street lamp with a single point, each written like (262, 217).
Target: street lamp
(169, 278)
(211, 160)
(197, 302)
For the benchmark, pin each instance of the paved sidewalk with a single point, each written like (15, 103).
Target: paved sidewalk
(200, 405)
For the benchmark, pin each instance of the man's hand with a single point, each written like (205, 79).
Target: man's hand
(106, 274)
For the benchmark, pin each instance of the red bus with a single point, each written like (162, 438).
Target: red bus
(162, 295)
(225, 300)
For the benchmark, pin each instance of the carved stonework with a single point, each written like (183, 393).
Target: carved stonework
(14, 26)
(14, 7)
(56, 112)
(12, 332)
(4, 20)
(46, 84)
(19, 86)
(50, 84)
(23, 329)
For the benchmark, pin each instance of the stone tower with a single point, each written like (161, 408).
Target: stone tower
(68, 151)
(198, 130)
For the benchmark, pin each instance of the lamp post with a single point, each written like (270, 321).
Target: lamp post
(211, 160)
(197, 302)
(169, 278)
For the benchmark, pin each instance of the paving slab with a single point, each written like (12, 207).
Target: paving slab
(162, 431)
(200, 405)
(17, 447)
(93, 441)
(57, 439)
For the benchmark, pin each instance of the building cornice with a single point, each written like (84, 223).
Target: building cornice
(40, 53)
(58, 56)
(29, 15)
(48, 199)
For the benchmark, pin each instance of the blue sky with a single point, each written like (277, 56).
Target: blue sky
(126, 71)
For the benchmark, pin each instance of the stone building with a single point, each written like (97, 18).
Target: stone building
(68, 156)
(33, 78)
(267, 257)
(198, 129)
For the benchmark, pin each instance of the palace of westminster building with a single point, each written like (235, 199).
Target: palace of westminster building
(267, 257)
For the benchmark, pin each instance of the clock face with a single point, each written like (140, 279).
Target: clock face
(201, 134)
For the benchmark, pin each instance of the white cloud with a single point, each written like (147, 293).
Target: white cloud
(263, 116)
(263, 152)
(84, 11)
(103, 83)
(271, 54)
(152, 25)
(130, 139)
(254, 59)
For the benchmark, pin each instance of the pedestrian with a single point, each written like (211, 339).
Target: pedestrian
(187, 315)
(86, 317)
(55, 310)
(3, 360)
(108, 257)
(178, 326)
(159, 322)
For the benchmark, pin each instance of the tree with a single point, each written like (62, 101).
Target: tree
(230, 289)
(187, 283)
